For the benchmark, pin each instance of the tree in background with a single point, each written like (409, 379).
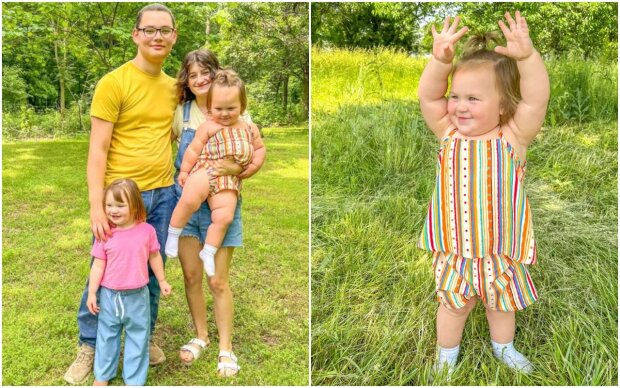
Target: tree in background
(266, 43)
(587, 30)
(368, 25)
(54, 53)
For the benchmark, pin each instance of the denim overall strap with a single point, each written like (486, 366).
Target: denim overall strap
(187, 105)
(185, 138)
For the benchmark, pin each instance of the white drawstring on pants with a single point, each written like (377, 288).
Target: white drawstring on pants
(120, 302)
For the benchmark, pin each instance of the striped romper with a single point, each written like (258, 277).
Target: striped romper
(235, 142)
(479, 225)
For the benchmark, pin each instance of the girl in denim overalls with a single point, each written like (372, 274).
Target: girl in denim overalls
(197, 71)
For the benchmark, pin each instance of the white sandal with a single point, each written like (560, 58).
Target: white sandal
(227, 365)
(195, 352)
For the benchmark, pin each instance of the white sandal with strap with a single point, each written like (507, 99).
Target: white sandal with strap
(227, 365)
(195, 352)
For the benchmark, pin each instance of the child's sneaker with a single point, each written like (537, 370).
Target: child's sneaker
(445, 363)
(511, 357)
(82, 366)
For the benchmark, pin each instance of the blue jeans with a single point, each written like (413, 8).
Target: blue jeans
(120, 310)
(159, 204)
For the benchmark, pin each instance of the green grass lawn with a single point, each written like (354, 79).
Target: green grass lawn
(45, 264)
(373, 305)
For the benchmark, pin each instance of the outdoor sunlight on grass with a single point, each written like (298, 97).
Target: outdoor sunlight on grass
(373, 171)
(45, 264)
(342, 77)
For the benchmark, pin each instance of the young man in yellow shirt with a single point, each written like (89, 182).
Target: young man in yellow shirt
(131, 119)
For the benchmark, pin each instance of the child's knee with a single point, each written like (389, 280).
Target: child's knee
(223, 217)
(465, 310)
(189, 203)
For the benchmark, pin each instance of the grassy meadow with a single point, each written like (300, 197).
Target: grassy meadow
(45, 264)
(373, 171)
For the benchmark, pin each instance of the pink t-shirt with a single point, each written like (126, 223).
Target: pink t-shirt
(127, 254)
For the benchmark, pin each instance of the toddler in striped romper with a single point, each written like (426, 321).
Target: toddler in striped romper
(225, 135)
(479, 223)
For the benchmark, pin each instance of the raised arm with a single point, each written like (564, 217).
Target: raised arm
(259, 154)
(534, 84)
(100, 138)
(434, 80)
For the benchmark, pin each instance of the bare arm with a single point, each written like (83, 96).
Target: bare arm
(94, 281)
(100, 138)
(534, 84)
(434, 80)
(259, 154)
(157, 265)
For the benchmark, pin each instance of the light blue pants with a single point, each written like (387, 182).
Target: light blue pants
(129, 310)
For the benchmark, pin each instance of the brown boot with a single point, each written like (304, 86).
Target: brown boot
(156, 355)
(82, 366)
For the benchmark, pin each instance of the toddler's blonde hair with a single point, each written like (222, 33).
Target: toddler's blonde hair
(228, 78)
(127, 191)
(478, 51)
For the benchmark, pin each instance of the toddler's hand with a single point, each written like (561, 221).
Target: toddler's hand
(518, 43)
(225, 166)
(165, 287)
(182, 178)
(443, 42)
(91, 303)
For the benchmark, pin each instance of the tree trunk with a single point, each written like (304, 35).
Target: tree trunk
(285, 93)
(305, 85)
(61, 78)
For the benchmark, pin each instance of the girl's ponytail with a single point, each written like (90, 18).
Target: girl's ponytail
(482, 42)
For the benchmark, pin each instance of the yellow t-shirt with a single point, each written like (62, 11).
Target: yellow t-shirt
(141, 106)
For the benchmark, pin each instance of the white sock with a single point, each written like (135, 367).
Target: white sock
(172, 242)
(446, 357)
(207, 255)
(511, 357)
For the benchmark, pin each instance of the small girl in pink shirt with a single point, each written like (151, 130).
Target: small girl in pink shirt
(120, 267)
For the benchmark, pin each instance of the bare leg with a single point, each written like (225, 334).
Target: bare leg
(223, 302)
(501, 325)
(192, 275)
(100, 383)
(195, 192)
(222, 207)
(451, 322)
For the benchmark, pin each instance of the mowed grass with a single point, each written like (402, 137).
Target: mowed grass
(373, 305)
(45, 264)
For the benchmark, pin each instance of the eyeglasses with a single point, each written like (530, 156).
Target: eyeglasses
(150, 32)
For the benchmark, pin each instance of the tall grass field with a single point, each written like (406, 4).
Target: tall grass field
(373, 171)
(45, 264)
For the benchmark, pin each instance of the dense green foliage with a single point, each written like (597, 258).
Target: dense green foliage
(45, 264)
(373, 159)
(587, 29)
(54, 53)
(581, 91)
